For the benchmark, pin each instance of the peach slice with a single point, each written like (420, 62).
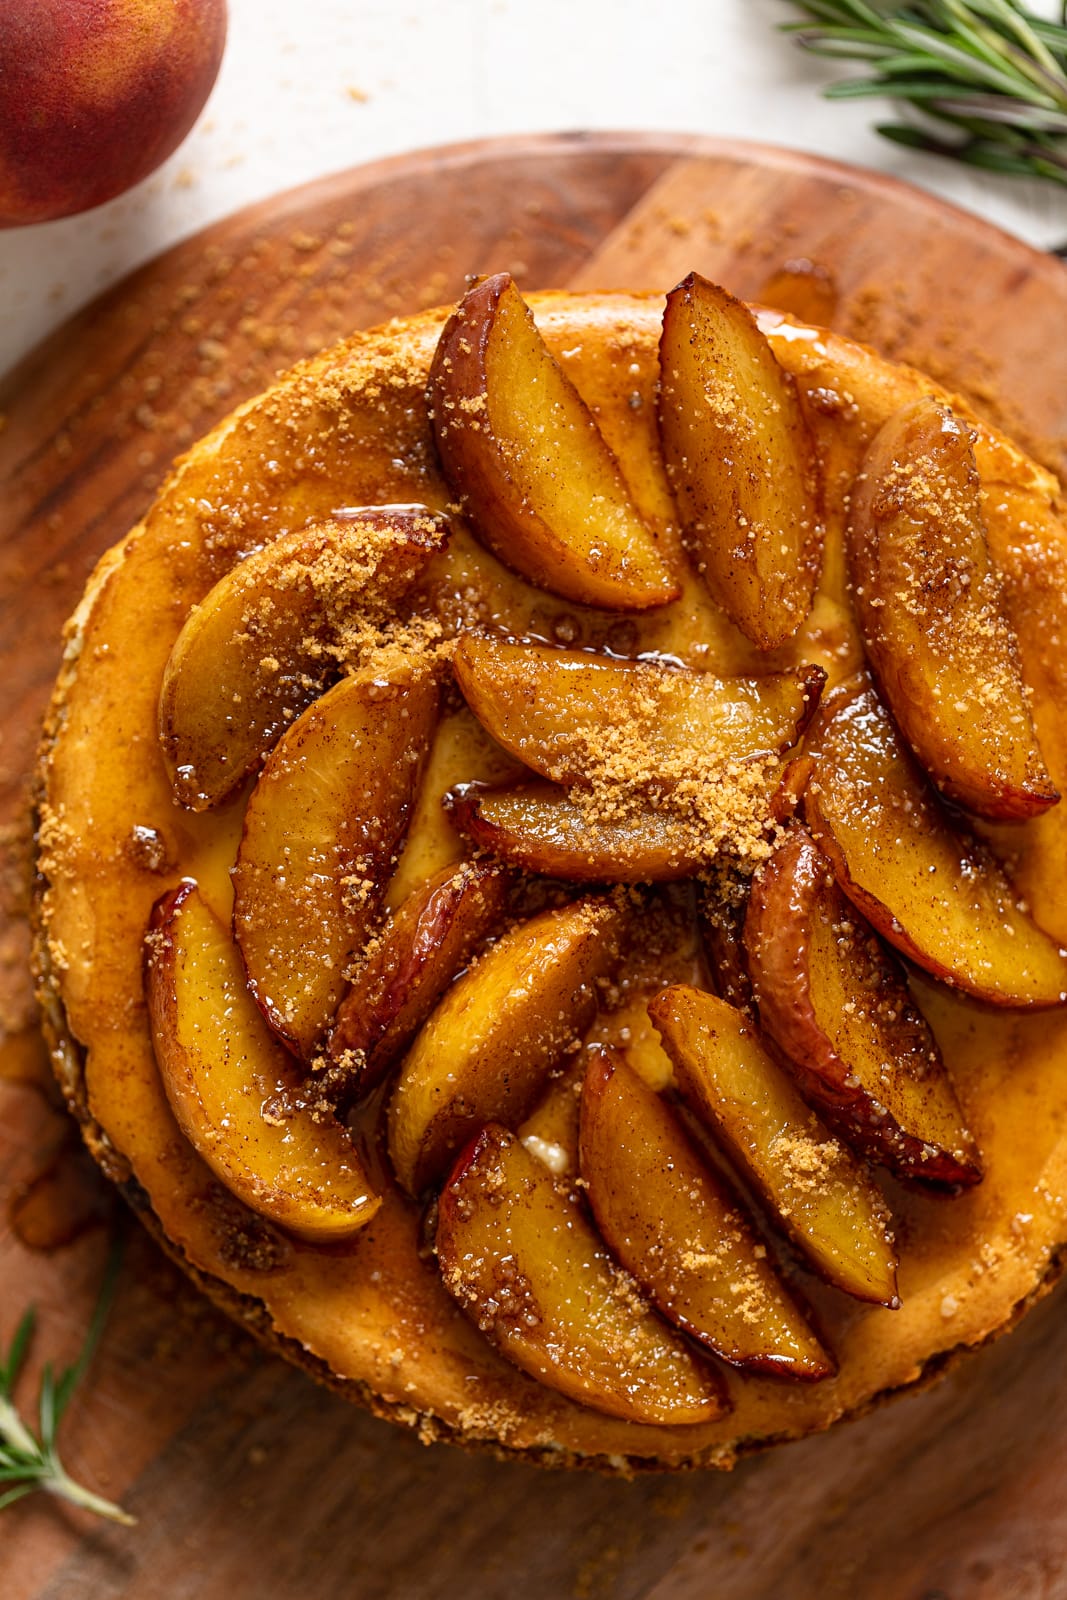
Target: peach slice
(424, 944)
(928, 602)
(270, 635)
(928, 888)
(487, 1049)
(722, 925)
(815, 1187)
(540, 827)
(520, 448)
(740, 460)
(563, 712)
(519, 1256)
(320, 833)
(677, 1230)
(837, 1007)
(232, 1087)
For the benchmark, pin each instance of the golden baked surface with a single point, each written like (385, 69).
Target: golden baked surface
(350, 429)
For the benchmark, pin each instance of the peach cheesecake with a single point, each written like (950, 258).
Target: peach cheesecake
(552, 885)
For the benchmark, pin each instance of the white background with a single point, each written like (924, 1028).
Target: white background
(311, 86)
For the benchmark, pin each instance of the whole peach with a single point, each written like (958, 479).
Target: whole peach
(94, 94)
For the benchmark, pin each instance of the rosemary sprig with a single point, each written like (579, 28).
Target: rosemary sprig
(29, 1463)
(987, 78)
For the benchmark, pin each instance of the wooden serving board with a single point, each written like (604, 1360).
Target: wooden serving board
(249, 1481)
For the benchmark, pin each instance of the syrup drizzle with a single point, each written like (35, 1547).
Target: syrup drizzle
(805, 289)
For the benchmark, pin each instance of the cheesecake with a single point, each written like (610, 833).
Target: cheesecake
(552, 889)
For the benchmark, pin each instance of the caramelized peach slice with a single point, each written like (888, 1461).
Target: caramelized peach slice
(540, 827)
(740, 461)
(520, 447)
(928, 602)
(486, 1051)
(424, 944)
(839, 1010)
(676, 1229)
(521, 1259)
(234, 1090)
(815, 1187)
(320, 833)
(722, 926)
(563, 712)
(928, 888)
(269, 636)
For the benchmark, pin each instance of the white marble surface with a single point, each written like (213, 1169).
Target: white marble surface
(311, 86)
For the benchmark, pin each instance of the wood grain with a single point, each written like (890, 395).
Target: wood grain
(248, 1480)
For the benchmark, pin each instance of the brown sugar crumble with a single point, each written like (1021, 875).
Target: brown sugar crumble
(346, 577)
(717, 809)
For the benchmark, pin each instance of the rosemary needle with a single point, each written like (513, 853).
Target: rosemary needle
(986, 79)
(28, 1462)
